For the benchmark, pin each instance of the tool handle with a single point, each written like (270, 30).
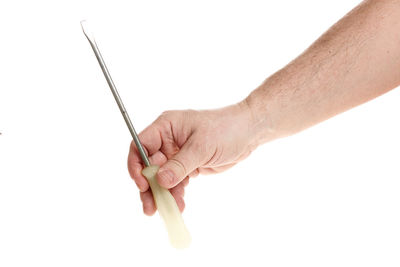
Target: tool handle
(178, 234)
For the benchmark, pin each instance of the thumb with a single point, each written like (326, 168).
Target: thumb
(189, 158)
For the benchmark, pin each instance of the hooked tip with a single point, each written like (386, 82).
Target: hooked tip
(86, 30)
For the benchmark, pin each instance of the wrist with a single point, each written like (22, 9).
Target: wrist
(260, 120)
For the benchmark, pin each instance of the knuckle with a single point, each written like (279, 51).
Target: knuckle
(166, 114)
(165, 118)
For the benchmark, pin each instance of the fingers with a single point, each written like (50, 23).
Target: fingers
(150, 138)
(135, 171)
(158, 158)
(194, 173)
(185, 181)
(178, 192)
(159, 138)
(149, 207)
(151, 141)
(181, 203)
(189, 158)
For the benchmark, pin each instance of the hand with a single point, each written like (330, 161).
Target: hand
(187, 143)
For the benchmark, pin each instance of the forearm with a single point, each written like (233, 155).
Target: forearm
(356, 60)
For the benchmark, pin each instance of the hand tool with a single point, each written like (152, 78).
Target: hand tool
(166, 205)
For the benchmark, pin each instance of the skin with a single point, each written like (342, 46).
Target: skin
(356, 60)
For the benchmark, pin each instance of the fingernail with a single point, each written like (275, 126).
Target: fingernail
(166, 176)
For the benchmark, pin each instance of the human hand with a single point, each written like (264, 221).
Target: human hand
(187, 143)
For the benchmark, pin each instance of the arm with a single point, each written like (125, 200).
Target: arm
(356, 60)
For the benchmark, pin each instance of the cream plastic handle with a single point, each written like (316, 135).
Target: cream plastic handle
(178, 234)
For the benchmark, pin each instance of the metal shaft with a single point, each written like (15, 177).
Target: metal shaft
(116, 95)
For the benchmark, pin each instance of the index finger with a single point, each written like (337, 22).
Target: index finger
(151, 141)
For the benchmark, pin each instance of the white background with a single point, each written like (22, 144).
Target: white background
(328, 196)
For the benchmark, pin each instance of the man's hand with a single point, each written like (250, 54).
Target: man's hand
(186, 143)
(355, 61)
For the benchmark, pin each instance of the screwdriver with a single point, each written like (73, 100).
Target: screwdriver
(166, 205)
